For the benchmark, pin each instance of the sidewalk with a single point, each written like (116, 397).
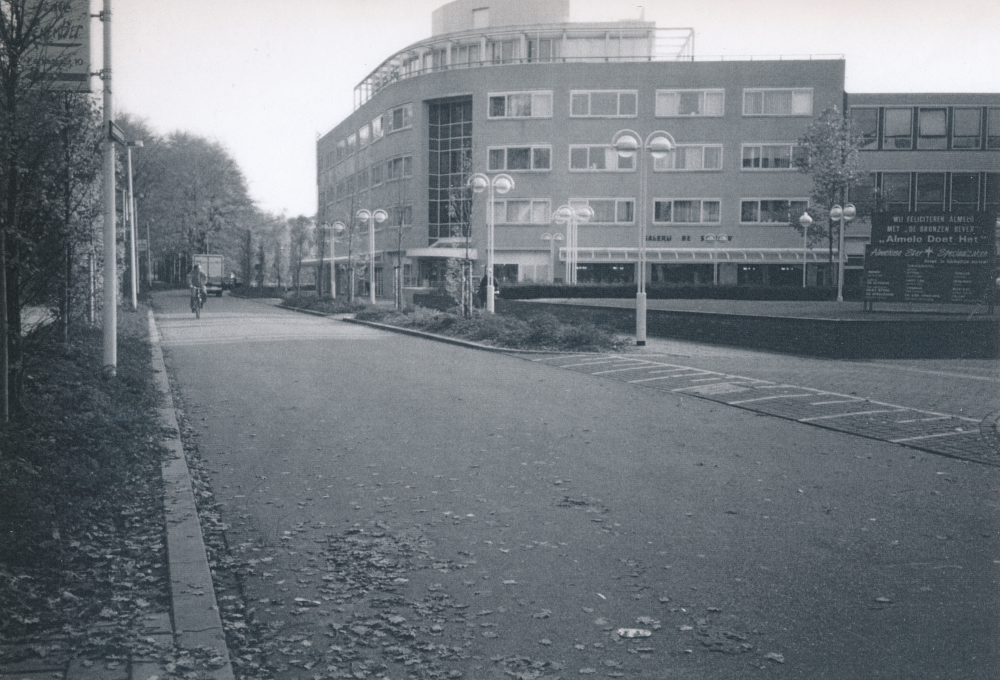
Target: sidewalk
(193, 629)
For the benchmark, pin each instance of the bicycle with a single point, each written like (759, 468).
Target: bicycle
(197, 301)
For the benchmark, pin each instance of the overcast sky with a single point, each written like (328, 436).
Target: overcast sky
(266, 77)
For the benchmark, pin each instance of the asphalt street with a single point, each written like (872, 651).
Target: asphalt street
(404, 508)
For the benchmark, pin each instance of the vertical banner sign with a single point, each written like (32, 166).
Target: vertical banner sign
(943, 258)
(64, 50)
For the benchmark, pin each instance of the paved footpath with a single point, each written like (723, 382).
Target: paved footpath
(194, 625)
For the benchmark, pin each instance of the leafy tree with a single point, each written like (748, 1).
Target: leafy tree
(832, 160)
(300, 241)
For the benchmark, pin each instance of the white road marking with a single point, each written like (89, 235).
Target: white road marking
(771, 398)
(933, 436)
(853, 413)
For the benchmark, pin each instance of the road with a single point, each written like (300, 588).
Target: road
(403, 508)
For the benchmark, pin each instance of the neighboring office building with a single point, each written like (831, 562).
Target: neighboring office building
(513, 87)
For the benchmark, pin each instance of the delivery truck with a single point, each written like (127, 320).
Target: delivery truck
(213, 266)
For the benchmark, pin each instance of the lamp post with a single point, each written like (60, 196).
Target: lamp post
(805, 221)
(553, 239)
(628, 144)
(130, 209)
(844, 215)
(500, 184)
(572, 217)
(337, 227)
(716, 239)
(371, 217)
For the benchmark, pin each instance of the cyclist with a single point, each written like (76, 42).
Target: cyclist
(196, 282)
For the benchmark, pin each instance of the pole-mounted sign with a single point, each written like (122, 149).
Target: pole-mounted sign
(115, 133)
(63, 51)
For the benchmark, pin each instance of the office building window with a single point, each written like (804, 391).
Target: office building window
(514, 158)
(543, 49)
(341, 150)
(964, 191)
(364, 135)
(521, 105)
(691, 157)
(687, 211)
(992, 197)
(597, 159)
(400, 118)
(378, 175)
(504, 51)
(685, 103)
(603, 103)
(521, 211)
(352, 144)
(864, 124)
(930, 191)
(449, 205)
(399, 167)
(993, 128)
(898, 129)
(771, 210)
(896, 191)
(377, 130)
(608, 210)
(966, 128)
(778, 102)
(772, 156)
(932, 128)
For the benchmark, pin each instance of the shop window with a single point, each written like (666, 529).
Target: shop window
(964, 191)
(930, 191)
(966, 128)
(898, 129)
(932, 128)
(686, 103)
(778, 102)
(864, 125)
(992, 197)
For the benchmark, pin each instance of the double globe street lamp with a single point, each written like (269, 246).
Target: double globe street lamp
(371, 217)
(843, 215)
(658, 145)
(572, 217)
(499, 184)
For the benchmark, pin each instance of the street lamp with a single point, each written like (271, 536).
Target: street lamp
(500, 184)
(805, 221)
(371, 217)
(335, 228)
(844, 215)
(628, 144)
(130, 210)
(572, 217)
(552, 239)
(715, 240)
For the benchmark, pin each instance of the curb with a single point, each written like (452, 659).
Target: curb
(196, 620)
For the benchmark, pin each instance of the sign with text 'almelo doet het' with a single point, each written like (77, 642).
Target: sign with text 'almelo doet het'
(918, 257)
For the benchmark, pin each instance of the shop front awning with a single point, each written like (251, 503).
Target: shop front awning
(700, 255)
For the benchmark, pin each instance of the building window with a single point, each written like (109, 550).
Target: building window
(399, 167)
(771, 211)
(521, 105)
(543, 50)
(684, 103)
(898, 129)
(778, 102)
(966, 128)
(377, 131)
(687, 211)
(992, 197)
(932, 128)
(341, 150)
(364, 136)
(521, 211)
(691, 157)
(399, 118)
(964, 191)
(449, 206)
(597, 158)
(603, 103)
(896, 191)
(772, 156)
(401, 216)
(504, 52)
(608, 210)
(864, 125)
(352, 144)
(378, 174)
(993, 128)
(930, 191)
(514, 158)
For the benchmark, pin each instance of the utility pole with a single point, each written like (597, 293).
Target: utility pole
(110, 318)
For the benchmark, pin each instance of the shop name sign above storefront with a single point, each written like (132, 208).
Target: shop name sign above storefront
(944, 258)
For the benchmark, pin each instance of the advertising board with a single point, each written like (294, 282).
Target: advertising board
(934, 258)
(63, 53)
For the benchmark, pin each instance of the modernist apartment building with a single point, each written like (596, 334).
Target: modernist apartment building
(513, 87)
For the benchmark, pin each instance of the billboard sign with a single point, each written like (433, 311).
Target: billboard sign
(63, 52)
(942, 258)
